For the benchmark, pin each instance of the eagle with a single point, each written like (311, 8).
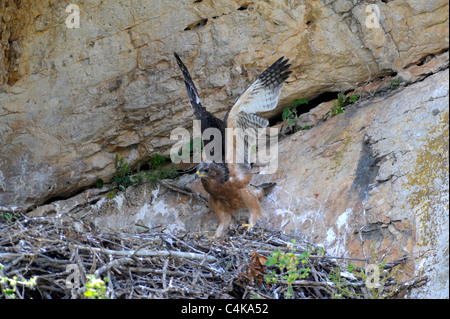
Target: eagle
(228, 182)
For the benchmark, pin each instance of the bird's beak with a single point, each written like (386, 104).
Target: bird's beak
(199, 174)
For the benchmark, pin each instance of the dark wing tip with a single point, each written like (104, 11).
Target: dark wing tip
(180, 63)
(279, 65)
(177, 57)
(281, 61)
(278, 71)
(286, 74)
(207, 119)
(190, 86)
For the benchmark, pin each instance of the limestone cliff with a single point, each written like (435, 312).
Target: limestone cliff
(372, 178)
(71, 98)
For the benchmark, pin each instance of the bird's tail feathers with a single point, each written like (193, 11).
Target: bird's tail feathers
(266, 185)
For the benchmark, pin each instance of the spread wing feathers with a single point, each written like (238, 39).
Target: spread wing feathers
(261, 96)
(247, 134)
(206, 118)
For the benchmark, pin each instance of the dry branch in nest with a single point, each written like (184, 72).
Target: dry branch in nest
(62, 255)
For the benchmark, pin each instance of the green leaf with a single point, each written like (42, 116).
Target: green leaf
(284, 262)
(126, 180)
(286, 113)
(354, 98)
(291, 122)
(299, 101)
(271, 261)
(99, 183)
(341, 99)
(350, 268)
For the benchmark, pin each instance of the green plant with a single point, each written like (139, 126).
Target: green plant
(343, 288)
(9, 217)
(342, 102)
(122, 176)
(353, 98)
(377, 277)
(99, 183)
(290, 115)
(9, 285)
(95, 288)
(395, 84)
(158, 160)
(159, 170)
(374, 279)
(125, 176)
(289, 265)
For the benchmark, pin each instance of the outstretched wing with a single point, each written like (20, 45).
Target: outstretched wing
(261, 96)
(207, 119)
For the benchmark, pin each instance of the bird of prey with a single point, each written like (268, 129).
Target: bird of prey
(228, 182)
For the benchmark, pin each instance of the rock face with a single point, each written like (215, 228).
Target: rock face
(72, 98)
(373, 179)
(374, 176)
(377, 173)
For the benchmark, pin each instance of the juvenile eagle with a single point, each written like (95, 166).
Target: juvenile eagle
(228, 182)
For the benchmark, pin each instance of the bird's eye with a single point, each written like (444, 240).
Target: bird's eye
(206, 170)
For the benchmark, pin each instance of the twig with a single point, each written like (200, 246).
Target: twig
(147, 253)
(168, 272)
(305, 283)
(164, 271)
(169, 184)
(111, 264)
(213, 273)
(159, 265)
(408, 285)
(14, 209)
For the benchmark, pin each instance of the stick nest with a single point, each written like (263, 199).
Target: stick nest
(62, 256)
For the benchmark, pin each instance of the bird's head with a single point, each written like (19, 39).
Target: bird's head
(211, 170)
